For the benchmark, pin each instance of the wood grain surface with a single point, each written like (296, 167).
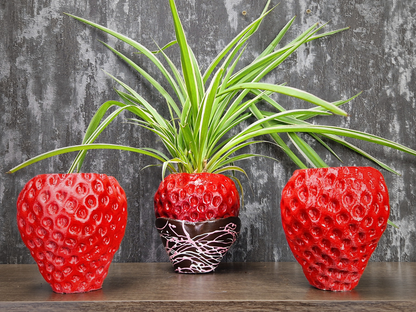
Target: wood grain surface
(52, 80)
(261, 286)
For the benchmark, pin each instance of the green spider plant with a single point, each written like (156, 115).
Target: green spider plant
(205, 107)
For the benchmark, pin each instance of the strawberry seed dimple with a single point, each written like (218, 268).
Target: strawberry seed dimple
(334, 206)
(348, 199)
(200, 190)
(41, 232)
(315, 231)
(52, 209)
(39, 184)
(62, 221)
(368, 221)
(47, 223)
(44, 197)
(342, 218)
(98, 186)
(104, 200)
(201, 208)
(37, 209)
(82, 213)
(174, 197)
(22, 223)
(193, 200)
(81, 189)
(74, 229)
(38, 242)
(314, 214)
(299, 180)
(29, 230)
(380, 221)
(358, 212)
(207, 198)
(31, 217)
(31, 193)
(91, 201)
(71, 242)
(170, 185)
(216, 201)
(303, 216)
(25, 207)
(303, 195)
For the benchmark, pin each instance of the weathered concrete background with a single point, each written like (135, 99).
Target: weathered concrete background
(52, 81)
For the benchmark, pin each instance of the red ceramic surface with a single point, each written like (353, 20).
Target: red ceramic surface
(72, 224)
(333, 219)
(196, 197)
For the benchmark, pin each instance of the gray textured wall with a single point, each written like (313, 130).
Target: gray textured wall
(51, 82)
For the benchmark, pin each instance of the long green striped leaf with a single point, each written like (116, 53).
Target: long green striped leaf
(76, 148)
(289, 91)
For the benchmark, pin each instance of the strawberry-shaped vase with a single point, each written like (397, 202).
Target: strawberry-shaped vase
(333, 219)
(197, 219)
(72, 224)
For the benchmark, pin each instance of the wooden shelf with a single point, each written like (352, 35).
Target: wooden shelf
(265, 286)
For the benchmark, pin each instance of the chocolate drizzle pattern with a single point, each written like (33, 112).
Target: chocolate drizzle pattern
(197, 247)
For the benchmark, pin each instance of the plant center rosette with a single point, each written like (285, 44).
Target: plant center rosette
(72, 224)
(197, 219)
(333, 219)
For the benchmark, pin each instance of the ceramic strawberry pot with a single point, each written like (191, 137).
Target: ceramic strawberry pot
(72, 224)
(197, 247)
(197, 219)
(333, 219)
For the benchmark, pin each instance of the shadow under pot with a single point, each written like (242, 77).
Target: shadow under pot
(197, 247)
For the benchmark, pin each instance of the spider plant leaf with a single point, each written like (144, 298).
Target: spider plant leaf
(230, 168)
(241, 157)
(246, 32)
(337, 103)
(318, 139)
(133, 44)
(190, 72)
(356, 149)
(277, 40)
(77, 163)
(392, 224)
(307, 151)
(75, 148)
(279, 141)
(204, 115)
(166, 46)
(157, 117)
(95, 123)
(289, 91)
(168, 163)
(149, 78)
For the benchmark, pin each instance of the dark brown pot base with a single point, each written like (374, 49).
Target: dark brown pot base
(197, 247)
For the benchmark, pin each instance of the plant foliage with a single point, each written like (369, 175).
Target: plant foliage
(205, 107)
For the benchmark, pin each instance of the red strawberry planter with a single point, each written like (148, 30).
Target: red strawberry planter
(333, 219)
(72, 224)
(197, 219)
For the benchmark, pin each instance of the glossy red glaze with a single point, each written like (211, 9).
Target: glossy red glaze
(72, 224)
(196, 197)
(333, 219)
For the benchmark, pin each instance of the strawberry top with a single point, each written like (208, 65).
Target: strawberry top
(196, 197)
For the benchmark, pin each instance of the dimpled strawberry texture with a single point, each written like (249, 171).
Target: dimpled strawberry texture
(196, 197)
(333, 219)
(72, 224)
